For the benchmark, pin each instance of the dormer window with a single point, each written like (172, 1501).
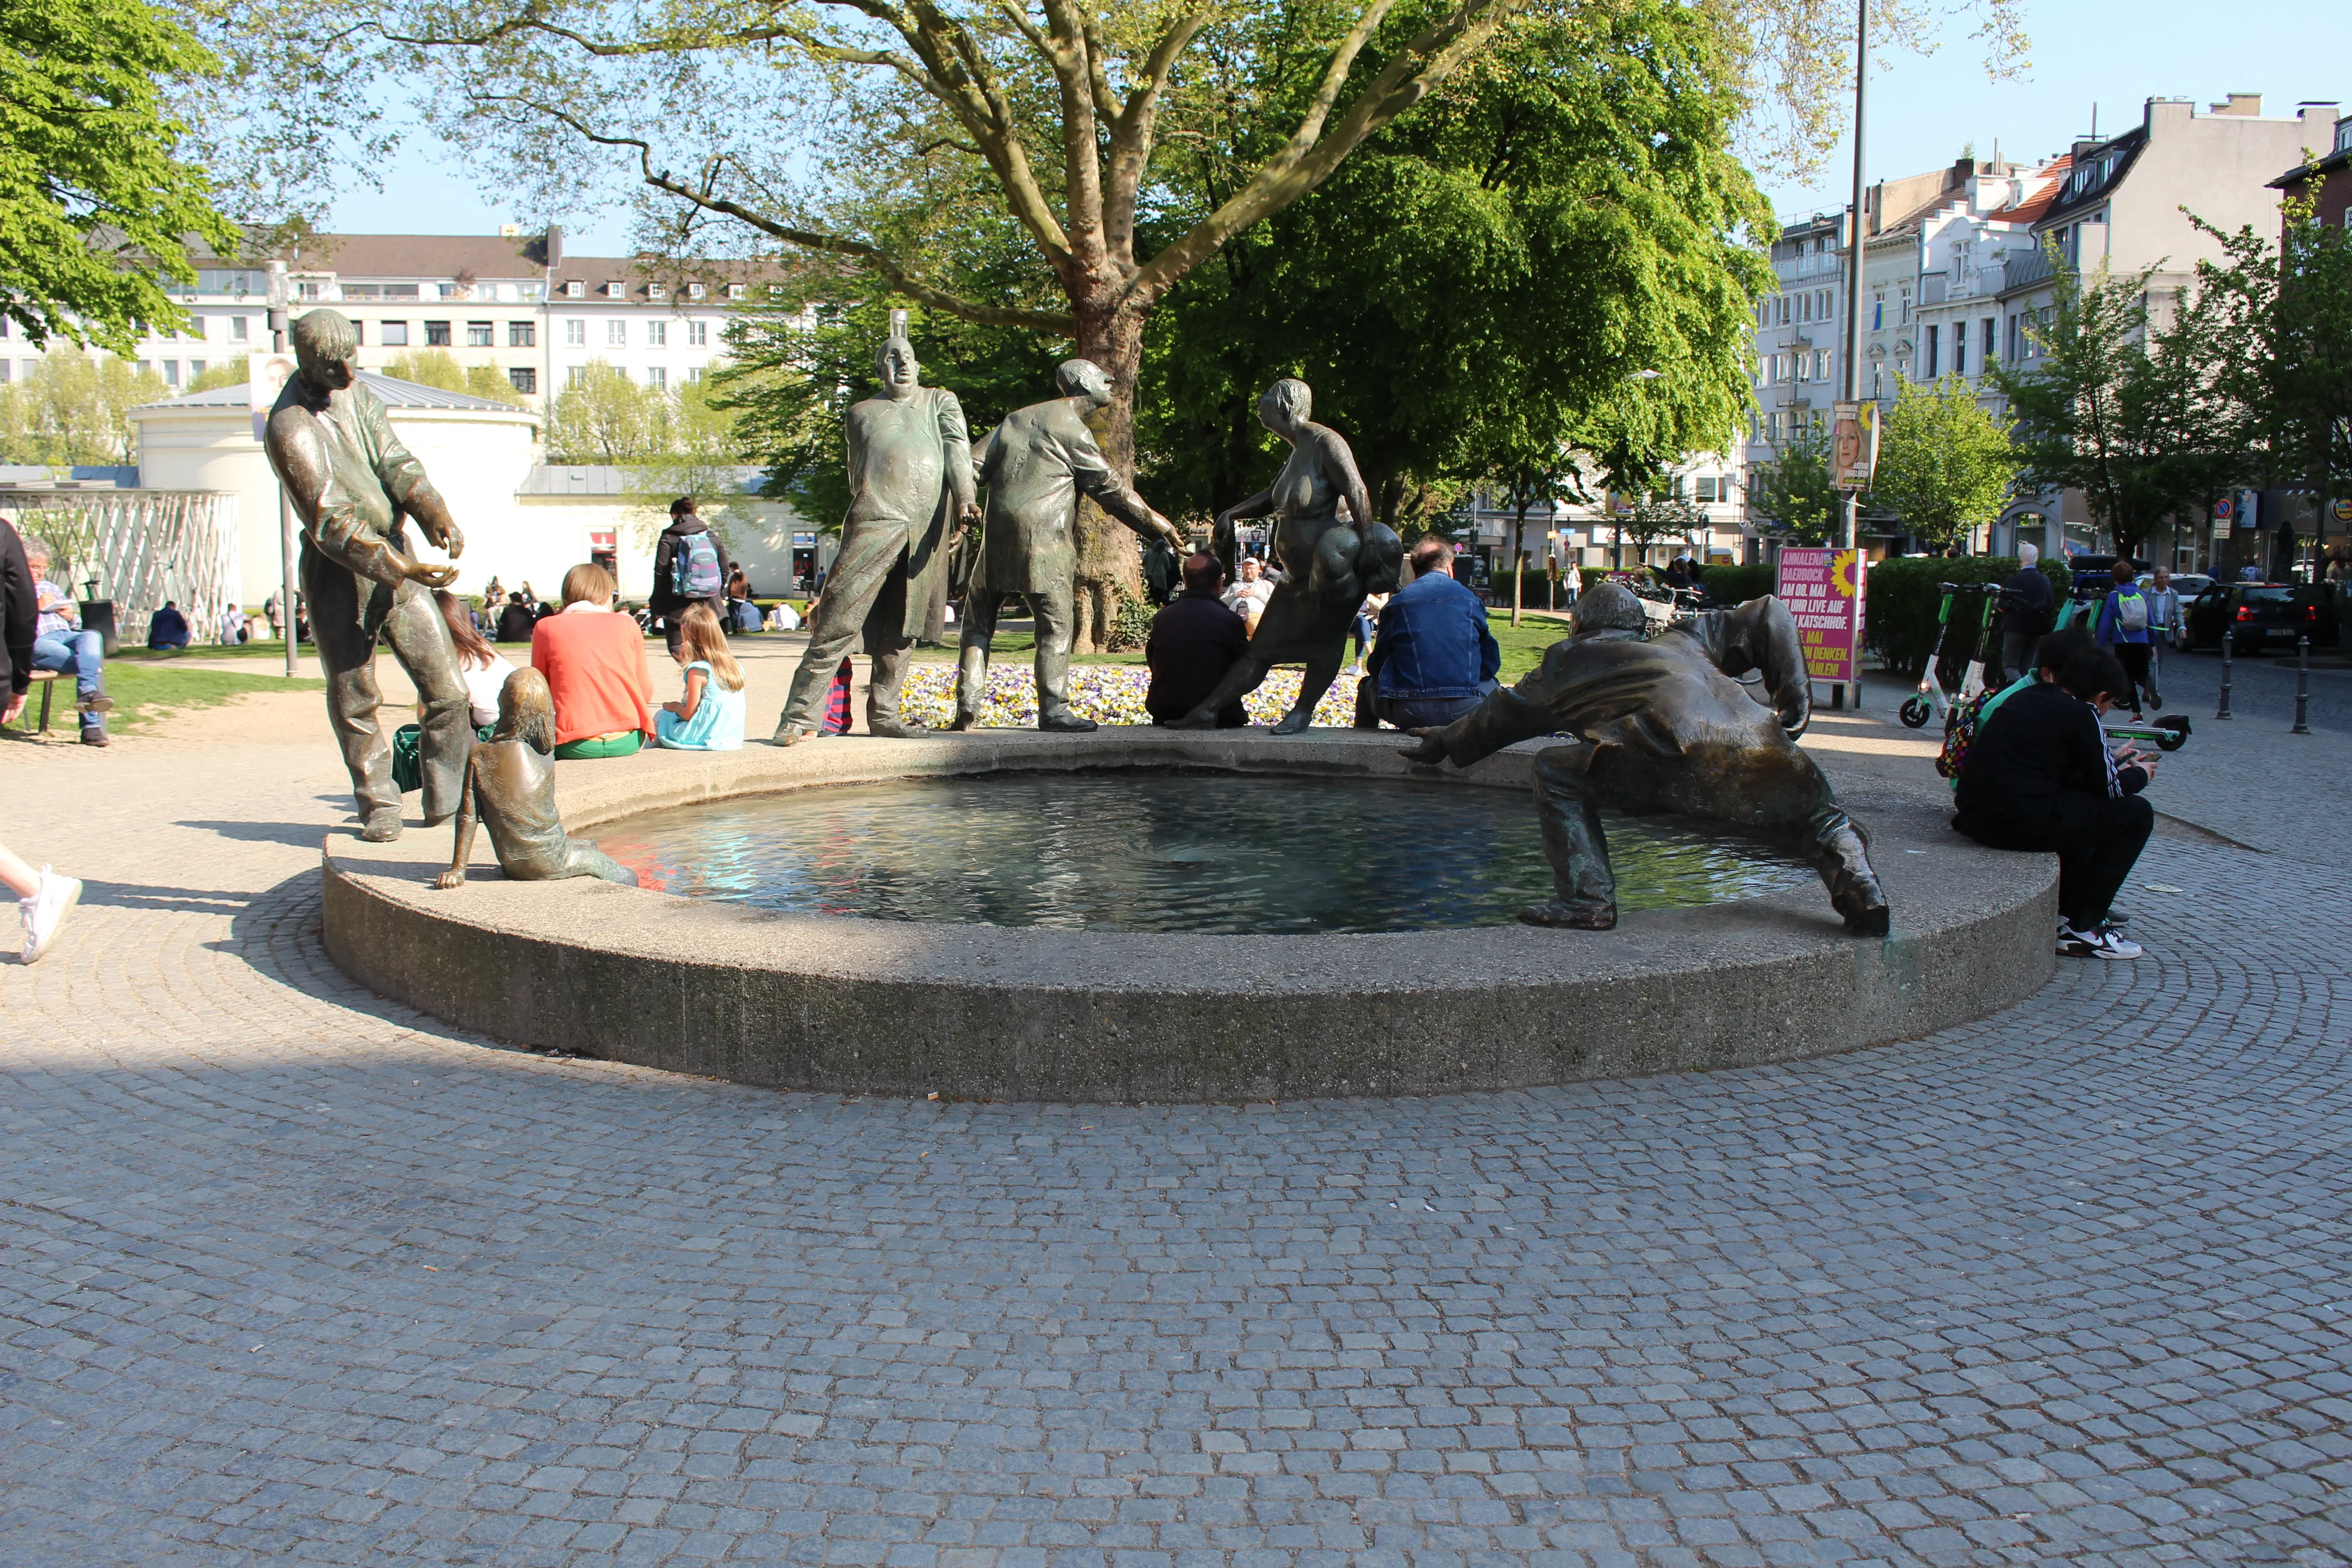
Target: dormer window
(616, 289)
(694, 290)
(656, 291)
(574, 289)
(735, 291)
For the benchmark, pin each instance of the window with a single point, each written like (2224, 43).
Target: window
(574, 376)
(657, 334)
(170, 372)
(614, 289)
(453, 291)
(1804, 308)
(1992, 328)
(697, 334)
(1804, 367)
(1877, 375)
(617, 334)
(437, 334)
(1878, 314)
(395, 335)
(481, 334)
(657, 378)
(359, 332)
(1703, 488)
(574, 288)
(145, 367)
(735, 291)
(694, 373)
(523, 379)
(1960, 347)
(1821, 364)
(1784, 309)
(575, 334)
(196, 369)
(694, 290)
(656, 291)
(237, 329)
(1933, 334)
(202, 326)
(522, 334)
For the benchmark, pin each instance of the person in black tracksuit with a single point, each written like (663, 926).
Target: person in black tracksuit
(666, 601)
(2039, 776)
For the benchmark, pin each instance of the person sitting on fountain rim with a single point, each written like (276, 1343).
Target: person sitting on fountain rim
(1195, 641)
(2040, 776)
(1662, 725)
(1433, 660)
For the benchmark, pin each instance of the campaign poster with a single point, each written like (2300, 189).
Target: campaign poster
(1823, 588)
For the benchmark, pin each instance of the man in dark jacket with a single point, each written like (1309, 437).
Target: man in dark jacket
(2040, 776)
(689, 567)
(20, 613)
(1435, 659)
(1195, 641)
(2025, 612)
(516, 620)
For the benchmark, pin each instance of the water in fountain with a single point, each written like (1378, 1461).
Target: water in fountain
(1163, 852)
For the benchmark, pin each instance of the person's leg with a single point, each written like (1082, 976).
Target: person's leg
(1246, 677)
(420, 641)
(867, 555)
(20, 878)
(673, 634)
(347, 659)
(2109, 839)
(1368, 700)
(1055, 615)
(2017, 653)
(43, 899)
(979, 611)
(1584, 890)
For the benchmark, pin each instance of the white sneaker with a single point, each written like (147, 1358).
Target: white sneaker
(46, 911)
(2096, 944)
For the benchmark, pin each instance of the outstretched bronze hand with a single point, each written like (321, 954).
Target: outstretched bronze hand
(1430, 748)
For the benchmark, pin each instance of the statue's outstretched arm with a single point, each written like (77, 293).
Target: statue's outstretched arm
(1509, 714)
(463, 851)
(1760, 634)
(298, 453)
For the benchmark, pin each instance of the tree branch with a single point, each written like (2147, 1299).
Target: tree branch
(897, 273)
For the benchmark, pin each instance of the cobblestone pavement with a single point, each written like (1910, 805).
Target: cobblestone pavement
(296, 1277)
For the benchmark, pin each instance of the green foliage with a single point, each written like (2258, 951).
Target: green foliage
(797, 364)
(1473, 293)
(439, 368)
(1652, 517)
(1736, 584)
(93, 202)
(1131, 625)
(1795, 495)
(227, 372)
(1944, 466)
(75, 408)
(1905, 596)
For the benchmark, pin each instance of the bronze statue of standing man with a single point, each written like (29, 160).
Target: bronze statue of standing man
(352, 483)
(909, 475)
(1035, 465)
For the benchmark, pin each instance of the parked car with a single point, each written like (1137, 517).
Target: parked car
(2261, 614)
(2095, 575)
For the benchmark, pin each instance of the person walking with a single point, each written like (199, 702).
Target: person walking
(2164, 614)
(2026, 618)
(689, 568)
(2123, 627)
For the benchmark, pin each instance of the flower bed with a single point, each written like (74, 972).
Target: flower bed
(1106, 693)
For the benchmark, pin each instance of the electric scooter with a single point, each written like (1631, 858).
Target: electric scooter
(1976, 600)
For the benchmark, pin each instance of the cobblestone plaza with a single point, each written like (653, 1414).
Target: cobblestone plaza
(296, 1277)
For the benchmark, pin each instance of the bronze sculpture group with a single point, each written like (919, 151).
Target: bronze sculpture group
(1651, 724)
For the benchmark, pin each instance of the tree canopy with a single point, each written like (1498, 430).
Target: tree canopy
(1945, 465)
(94, 200)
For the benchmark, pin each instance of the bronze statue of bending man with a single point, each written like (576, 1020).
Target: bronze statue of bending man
(1661, 726)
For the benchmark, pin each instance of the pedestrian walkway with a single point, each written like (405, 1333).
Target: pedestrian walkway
(295, 1276)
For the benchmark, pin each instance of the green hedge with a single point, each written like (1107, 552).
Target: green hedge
(1899, 616)
(1731, 586)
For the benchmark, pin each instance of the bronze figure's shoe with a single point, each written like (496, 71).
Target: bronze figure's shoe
(1843, 862)
(1295, 720)
(382, 825)
(894, 729)
(1067, 724)
(964, 721)
(1192, 722)
(789, 734)
(1571, 917)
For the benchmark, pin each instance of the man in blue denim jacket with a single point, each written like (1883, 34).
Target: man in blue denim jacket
(1433, 660)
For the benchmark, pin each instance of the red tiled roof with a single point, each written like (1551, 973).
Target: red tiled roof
(2039, 199)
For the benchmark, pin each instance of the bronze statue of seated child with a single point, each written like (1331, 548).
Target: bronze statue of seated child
(511, 788)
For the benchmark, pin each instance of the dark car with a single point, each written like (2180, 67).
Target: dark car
(2260, 615)
(2095, 575)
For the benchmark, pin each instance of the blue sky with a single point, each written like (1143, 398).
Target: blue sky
(1925, 111)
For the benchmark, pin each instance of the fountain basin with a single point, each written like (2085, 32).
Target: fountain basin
(896, 1006)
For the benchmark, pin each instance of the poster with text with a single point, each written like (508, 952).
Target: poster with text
(1822, 589)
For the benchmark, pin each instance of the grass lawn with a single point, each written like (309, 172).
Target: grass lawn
(141, 692)
(273, 649)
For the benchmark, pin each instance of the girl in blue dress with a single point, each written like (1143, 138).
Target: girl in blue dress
(710, 717)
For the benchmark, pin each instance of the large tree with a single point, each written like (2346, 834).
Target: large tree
(94, 200)
(1945, 467)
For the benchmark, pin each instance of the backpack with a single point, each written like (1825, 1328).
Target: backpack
(2131, 610)
(1960, 735)
(694, 567)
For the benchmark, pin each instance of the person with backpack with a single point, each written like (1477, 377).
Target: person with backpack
(689, 567)
(2124, 627)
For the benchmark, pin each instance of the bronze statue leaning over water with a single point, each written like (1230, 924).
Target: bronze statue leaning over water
(1331, 563)
(1661, 726)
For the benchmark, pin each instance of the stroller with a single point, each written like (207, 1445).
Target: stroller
(1956, 671)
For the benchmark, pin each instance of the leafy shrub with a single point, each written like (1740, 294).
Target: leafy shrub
(1736, 584)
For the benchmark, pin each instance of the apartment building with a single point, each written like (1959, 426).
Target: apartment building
(514, 303)
(1964, 243)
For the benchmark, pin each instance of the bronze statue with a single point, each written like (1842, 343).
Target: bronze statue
(1035, 465)
(909, 475)
(509, 785)
(352, 483)
(1661, 726)
(1331, 564)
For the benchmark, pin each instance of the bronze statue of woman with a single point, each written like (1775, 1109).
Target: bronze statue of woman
(1330, 559)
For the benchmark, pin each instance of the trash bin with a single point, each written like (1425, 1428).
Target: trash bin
(98, 615)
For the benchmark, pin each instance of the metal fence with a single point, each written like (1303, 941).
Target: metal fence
(141, 549)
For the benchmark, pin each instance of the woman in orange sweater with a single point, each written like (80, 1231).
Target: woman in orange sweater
(595, 661)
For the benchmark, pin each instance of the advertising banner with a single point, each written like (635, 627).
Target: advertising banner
(1854, 444)
(1823, 588)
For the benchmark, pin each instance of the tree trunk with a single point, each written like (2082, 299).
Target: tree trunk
(1110, 557)
(1519, 563)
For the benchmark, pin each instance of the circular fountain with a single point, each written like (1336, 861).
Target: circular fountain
(1144, 915)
